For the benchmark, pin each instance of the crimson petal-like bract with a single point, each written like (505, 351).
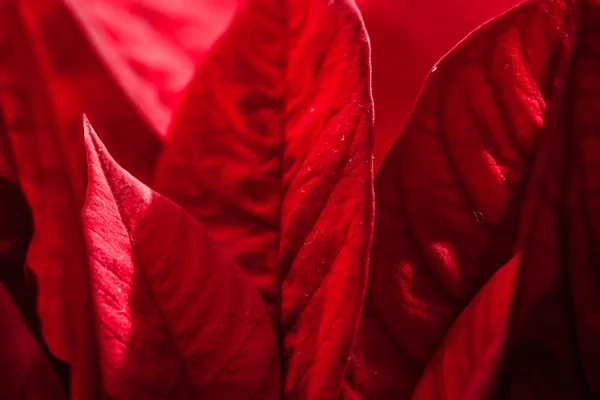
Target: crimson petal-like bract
(482, 193)
(152, 47)
(24, 370)
(271, 150)
(407, 38)
(178, 319)
(72, 75)
(550, 335)
(45, 157)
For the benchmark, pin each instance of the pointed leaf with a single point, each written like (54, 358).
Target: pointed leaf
(24, 370)
(271, 150)
(450, 194)
(178, 319)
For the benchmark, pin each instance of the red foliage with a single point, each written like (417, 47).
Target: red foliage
(260, 270)
(177, 319)
(480, 263)
(271, 149)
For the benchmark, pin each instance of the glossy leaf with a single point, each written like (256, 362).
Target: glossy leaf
(271, 150)
(24, 371)
(46, 162)
(451, 193)
(177, 318)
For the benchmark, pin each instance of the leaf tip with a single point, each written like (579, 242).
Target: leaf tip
(92, 141)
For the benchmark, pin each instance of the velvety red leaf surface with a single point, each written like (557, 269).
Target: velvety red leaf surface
(271, 151)
(468, 364)
(488, 167)
(178, 319)
(24, 371)
(75, 80)
(408, 37)
(46, 164)
(152, 47)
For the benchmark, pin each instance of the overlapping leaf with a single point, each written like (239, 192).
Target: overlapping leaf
(178, 318)
(75, 80)
(46, 163)
(452, 197)
(24, 371)
(271, 151)
(549, 334)
(408, 37)
(152, 47)
(16, 230)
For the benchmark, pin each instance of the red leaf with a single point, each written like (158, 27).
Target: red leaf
(46, 163)
(408, 37)
(7, 160)
(451, 193)
(467, 365)
(78, 82)
(151, 47)
(24, 370)
(271, 150)
(178, 318)
(555, 351)
(16, 227)
(548, 346)
(15, 235)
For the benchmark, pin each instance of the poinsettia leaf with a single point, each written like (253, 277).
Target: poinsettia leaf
(451, 191)
(177, 318)
(7, 160)
(151, 47)
(15, 235)
(553, 336)
(408, 37)
(530, 332)
(583, 204)
(15, 231)
(467, 365)
(24, 370)
(47, 164)
(271, 149)
(79, 82)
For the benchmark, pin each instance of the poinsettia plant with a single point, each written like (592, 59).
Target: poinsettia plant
(240, 247)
